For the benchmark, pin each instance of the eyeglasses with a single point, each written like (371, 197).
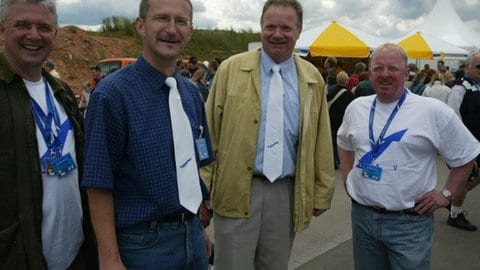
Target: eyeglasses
(165, 20)
(26, 26)
(477, 66)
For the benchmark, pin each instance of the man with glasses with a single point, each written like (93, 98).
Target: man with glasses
(274, 170)
(145, 199)
(44, 220)
(465, 101)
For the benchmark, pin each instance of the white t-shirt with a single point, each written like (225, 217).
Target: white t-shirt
(408, 164)
(62, 234)
(438, 91)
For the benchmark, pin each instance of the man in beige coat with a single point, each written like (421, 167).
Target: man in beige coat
(254, 217)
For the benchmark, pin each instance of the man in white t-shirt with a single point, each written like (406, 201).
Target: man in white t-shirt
(388, 163)
(44, 222)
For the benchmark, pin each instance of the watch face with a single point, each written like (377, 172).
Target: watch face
(446, 193)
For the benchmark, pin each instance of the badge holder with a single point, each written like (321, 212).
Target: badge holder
(371, 171)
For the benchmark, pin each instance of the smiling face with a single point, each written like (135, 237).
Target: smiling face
(166, 29)
(280, 31)
(388, 73)
(28, 32)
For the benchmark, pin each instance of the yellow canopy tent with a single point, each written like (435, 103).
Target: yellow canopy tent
(424, 46)
(334, 39)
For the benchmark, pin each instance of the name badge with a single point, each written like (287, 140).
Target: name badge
(371, 171)
(202, 148)
(64, 165)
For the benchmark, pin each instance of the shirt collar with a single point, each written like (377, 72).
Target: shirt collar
(267, 63)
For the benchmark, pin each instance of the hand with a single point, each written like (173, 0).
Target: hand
(317, 212)
(205, 213)
(430, 201)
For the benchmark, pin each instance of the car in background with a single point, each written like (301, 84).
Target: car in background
(110, 65)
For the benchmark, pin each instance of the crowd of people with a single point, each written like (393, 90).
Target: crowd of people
(130, 176)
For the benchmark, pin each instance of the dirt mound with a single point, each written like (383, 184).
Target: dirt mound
(76, 51)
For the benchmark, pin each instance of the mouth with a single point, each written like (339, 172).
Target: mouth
(385, 83)
(32, 47)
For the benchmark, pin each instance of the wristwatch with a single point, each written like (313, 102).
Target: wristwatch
(447, 194)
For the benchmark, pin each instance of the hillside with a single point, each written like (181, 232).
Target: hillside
(77, 50)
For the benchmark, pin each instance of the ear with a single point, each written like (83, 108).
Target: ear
(190, 33)
(140, 26)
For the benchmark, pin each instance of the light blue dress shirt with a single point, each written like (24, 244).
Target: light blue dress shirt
(291, 109)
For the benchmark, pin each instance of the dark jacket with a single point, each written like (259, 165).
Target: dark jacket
(21, 187)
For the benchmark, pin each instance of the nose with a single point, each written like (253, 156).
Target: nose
(170, 26)
(277, 32)
(33, 32)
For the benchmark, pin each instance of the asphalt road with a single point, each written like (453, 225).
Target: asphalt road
(327, 243)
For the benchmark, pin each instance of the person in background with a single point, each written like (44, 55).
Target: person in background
(97, 76)
(449, 79)
(355, 79)
(49, 66)
(44, 214)
(465, 101)
(388, 163)
(85, 98)
(364, 87)
(426, 67)
(419, 83)
(329, 65)
(192, 65)
(212, 69)
(274, 165)
(331, 82)
(412, 72)
(441, 68)
(198, 78)
(338, 100)
(146, 135)
(437, 89)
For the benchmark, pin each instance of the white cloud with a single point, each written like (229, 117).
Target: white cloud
(386, 18)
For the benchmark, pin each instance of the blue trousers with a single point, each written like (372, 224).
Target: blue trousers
(168, 245)
(390, 241)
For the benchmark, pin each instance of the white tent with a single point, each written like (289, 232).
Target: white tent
(443, 22)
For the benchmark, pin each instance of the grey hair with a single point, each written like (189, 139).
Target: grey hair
(51, 5)
(145, 5)
(391, 47)
(470, 57)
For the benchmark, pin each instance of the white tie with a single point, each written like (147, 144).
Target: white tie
(273, 151)
(188, 183)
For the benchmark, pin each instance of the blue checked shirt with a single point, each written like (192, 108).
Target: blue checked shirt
(129, 145)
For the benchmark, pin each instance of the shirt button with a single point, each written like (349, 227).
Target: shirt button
(249, 168)
(255, 121)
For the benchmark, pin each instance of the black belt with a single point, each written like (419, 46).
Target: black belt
(381, 210)
(180, 217)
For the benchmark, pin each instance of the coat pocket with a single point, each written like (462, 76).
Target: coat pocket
(7, 241)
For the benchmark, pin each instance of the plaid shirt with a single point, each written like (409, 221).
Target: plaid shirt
(129, 144)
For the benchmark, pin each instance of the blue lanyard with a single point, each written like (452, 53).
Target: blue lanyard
(44, 121)
(376, 144)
